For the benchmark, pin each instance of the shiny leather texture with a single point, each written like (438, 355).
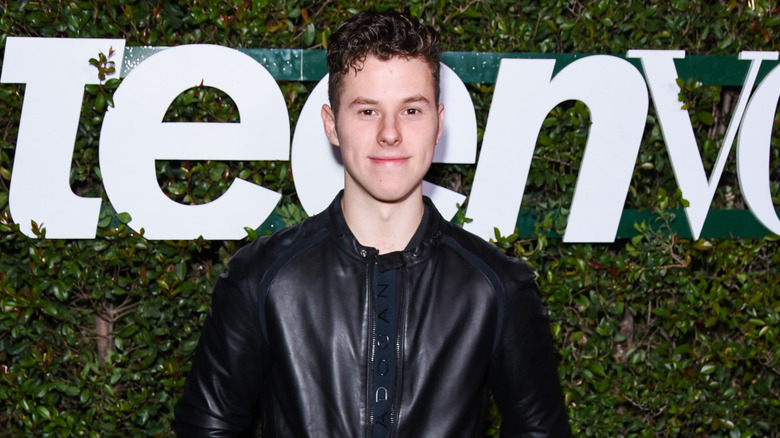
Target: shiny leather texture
(288, 340)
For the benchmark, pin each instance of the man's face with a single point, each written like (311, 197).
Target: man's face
(387, 126)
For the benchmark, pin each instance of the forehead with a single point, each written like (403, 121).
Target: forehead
(395, 78)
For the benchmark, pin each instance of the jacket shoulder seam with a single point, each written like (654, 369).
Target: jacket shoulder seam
(270, 273)
(490, 275)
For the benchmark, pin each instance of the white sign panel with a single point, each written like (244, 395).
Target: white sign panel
(133, 136)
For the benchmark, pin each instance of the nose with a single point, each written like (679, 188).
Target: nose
(389, 133)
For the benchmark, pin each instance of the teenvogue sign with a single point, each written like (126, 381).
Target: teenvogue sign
(55, 72)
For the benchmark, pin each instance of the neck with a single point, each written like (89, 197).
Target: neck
(387, 227)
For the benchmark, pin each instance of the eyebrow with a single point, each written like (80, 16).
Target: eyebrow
(363, 101)
(367, 101)
(417, 98)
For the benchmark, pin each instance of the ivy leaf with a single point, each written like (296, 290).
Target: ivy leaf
(309, 34)
(708, 369)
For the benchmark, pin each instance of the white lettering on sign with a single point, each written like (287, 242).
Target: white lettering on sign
(753, 154)
(133, 136)
(678, 132)
(54, 72)
(525, 93)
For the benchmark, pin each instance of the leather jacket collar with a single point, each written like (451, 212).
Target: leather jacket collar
(420, 247)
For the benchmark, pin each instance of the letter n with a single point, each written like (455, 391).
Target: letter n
(616, 95)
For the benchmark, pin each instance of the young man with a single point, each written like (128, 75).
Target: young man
(377, 317)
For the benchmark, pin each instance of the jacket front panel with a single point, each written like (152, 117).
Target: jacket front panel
(468, 321)
(318, 338)
(450, 325)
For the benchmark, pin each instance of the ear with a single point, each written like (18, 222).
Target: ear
(329, 123)
(441, 122)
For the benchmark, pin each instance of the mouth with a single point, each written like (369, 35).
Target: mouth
(389, 161)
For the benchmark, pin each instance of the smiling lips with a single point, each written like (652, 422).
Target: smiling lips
(390, 161)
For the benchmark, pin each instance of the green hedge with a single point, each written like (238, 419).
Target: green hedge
(658, 335)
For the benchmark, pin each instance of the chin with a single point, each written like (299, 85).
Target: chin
(391, 197)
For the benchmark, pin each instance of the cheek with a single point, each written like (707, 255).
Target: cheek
(349, 154)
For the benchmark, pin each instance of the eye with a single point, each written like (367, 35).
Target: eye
(367, 112)
(412, 111)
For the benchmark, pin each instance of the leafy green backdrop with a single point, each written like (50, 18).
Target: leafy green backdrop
(658, 335)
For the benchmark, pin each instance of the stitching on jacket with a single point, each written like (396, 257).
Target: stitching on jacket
(491, 277)
(270, 273)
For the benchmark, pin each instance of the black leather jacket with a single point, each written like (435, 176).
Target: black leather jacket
(290, 338)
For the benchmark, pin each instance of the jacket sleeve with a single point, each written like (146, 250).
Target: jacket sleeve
(222, 391)
(524, 377)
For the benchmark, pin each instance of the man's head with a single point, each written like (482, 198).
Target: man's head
(383, 35)
(385, 115)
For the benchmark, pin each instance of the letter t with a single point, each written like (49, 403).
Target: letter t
(55, 71)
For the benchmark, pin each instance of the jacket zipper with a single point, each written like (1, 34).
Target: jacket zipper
(400, 307)
(371, 347)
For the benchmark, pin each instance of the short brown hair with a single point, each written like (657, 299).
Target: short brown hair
(384, 35)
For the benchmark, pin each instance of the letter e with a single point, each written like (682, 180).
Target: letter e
(134, 136)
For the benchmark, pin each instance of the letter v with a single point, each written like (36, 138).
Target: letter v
(661, 75)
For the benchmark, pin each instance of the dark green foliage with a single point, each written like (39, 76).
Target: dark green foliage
(658, 335)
